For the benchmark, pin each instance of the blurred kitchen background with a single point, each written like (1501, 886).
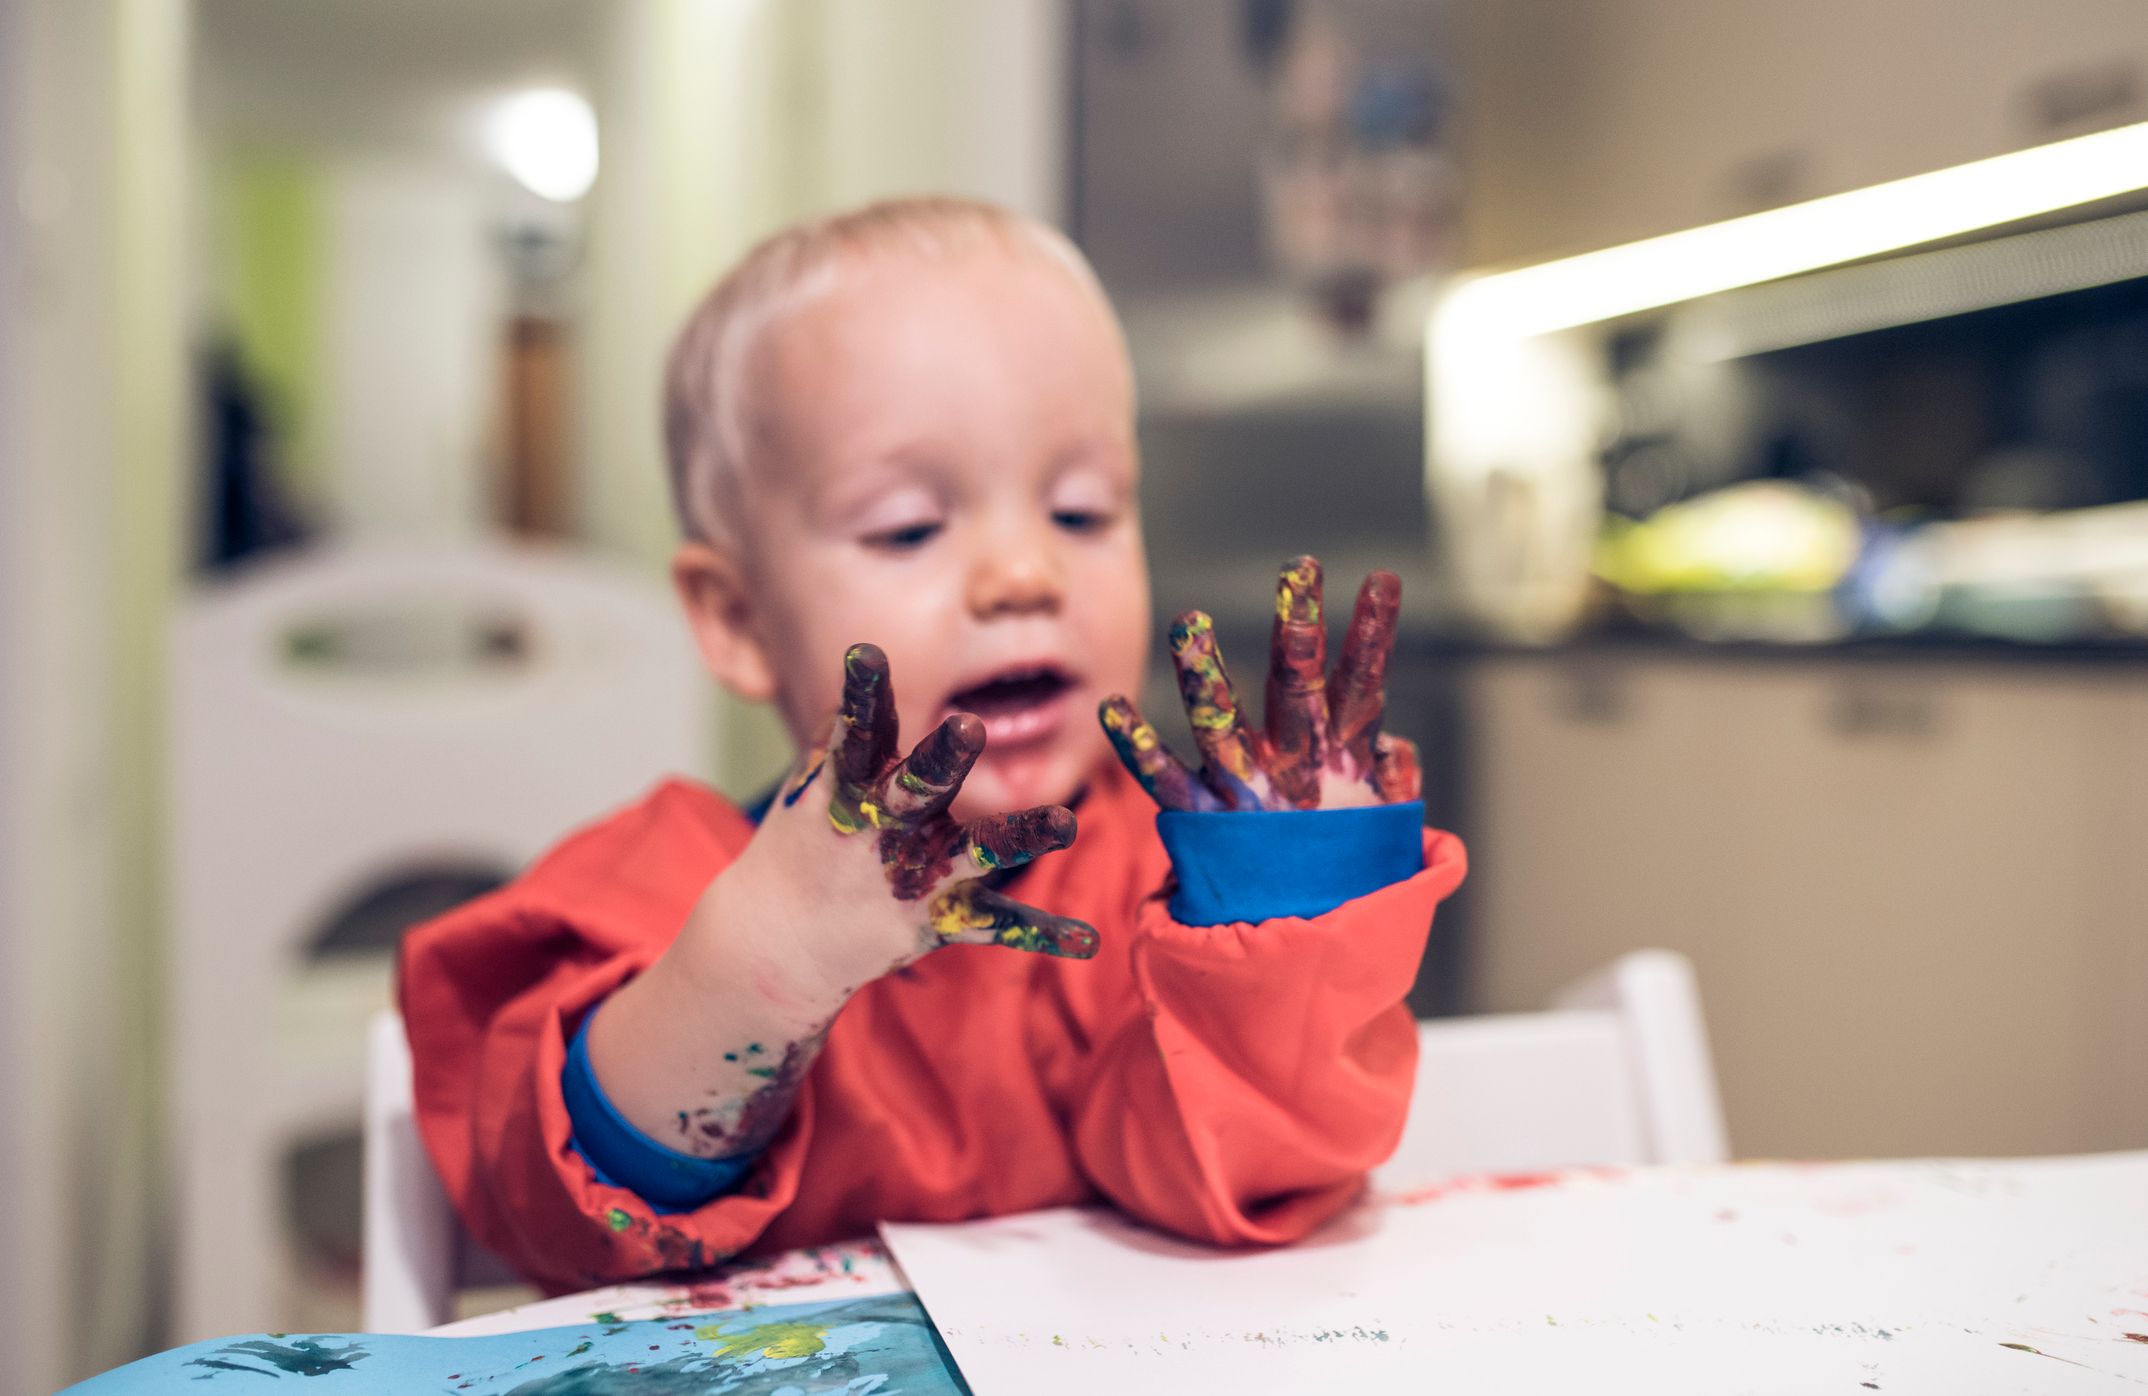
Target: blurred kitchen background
(1776, 593)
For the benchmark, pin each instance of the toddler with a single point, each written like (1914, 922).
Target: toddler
(902, 450)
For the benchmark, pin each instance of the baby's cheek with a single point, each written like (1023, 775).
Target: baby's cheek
(1115, 644)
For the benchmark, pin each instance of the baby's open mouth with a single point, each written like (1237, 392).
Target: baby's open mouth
(1017, 705)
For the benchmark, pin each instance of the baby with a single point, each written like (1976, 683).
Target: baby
(902, 451)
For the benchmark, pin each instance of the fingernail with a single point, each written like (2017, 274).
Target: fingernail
(1297, 591)
(1031, 834)
(949, 746)
(864, 663)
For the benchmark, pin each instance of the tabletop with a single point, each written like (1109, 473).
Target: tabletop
(1941, 1276)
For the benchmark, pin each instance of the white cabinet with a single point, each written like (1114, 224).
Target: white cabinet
(1909, 888)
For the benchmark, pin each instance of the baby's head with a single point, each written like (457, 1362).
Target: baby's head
(913, 424)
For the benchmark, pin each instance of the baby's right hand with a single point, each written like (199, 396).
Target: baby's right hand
(913, 884)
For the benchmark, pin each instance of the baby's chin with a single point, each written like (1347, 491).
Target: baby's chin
(1003, 782)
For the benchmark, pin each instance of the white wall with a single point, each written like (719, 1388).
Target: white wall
(949, 96)
(94, 434)
(413, 314)
(721, 122)
(16, 1281)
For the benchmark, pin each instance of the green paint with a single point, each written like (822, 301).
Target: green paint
(606, 1317)
(618, 1219)
(578, 1351)
(777, 1341)
(272, 278)
(766, 1073)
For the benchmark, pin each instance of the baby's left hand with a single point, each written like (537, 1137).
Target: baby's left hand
(1319, 750)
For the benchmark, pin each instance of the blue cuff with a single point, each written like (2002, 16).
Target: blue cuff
(1251, 865)
(624, 1157)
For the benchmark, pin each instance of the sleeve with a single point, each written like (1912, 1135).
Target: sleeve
(492, 996)
(626, 1157)
(1267, 1062)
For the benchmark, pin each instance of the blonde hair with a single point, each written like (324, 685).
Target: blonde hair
(706, 427)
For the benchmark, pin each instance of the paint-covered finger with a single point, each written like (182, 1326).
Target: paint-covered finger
(929, 777)
(1358, 694)
(1002, 841)
(972, 913)
(1145, 756)
(864, 738)
(1212, 708)
(1297, 706)
(1396, 774)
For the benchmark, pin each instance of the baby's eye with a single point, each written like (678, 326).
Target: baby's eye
(904, 539)
(1081, 520)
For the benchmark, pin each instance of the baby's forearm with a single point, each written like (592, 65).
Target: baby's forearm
(705, 1051)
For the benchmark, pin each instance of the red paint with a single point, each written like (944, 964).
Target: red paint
(1496, 1182)
(1358, 692)
(1295, 746)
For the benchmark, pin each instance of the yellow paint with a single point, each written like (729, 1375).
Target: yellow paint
(1190, 629)
(799, 779)
(954, 913)
(850, 820)
(1212, 716)
(1297, 583)
(776, 1341)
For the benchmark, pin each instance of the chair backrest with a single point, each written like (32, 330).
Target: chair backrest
(349, 726)
(1618, 1072)
(346, 713)
(411, 1242)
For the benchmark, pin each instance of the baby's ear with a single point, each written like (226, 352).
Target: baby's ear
(719, 606)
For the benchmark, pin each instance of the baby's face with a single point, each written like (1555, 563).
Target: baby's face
(945, 467)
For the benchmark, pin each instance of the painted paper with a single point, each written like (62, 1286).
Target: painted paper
(878, 1344)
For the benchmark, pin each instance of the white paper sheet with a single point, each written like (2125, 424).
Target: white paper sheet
(1939, 1277)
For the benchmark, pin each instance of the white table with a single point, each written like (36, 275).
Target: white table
(1911, 1276)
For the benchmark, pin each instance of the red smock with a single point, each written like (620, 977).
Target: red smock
(1229, 1083)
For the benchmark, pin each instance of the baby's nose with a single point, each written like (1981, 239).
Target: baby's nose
(1016, 576)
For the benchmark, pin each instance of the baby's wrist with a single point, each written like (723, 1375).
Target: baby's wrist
(757, 930)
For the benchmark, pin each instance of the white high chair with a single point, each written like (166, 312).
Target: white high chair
(340, 718)
(1618, 1074)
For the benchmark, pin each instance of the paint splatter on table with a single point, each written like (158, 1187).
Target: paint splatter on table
(849, 1270)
